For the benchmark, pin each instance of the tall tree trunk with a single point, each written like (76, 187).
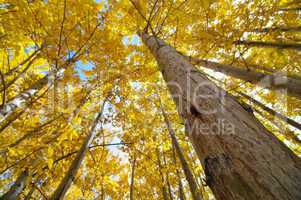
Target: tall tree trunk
(188, 174)
(17, 187)
(278, 45)
(15, 115)
(271, 111)
(181, 191)
(61, 190)
(241, 159)
(167, 179)
(163, 188)
(164, 193)
(22, 98)
(280, 29)
(181, 194)
(132, 178)
(278, 81)
(25, 96)
(290, 9)
(288, 134)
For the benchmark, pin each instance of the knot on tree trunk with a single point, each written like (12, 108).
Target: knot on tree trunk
(216, 166)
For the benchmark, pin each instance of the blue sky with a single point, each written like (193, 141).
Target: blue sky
(126, 40)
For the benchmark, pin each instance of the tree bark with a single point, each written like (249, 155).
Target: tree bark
(277, 45)
(271, 111)
(185, 167)
(290, 9)
(241, 159)
(22, 98)
(289, 135)
(181, 191)
(278, 81)
(163, 188)
(180, 185)
(280, 29)
(61, 190)
(167, 180)
(132, 179)
(26, 95)
(17, 187)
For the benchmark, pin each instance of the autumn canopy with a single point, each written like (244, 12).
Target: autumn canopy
(150, 99)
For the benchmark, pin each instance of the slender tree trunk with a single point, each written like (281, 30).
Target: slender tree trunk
(102, 192)
(280, 29)
(167, 180)
(22, 98)
(271, 111)
(290, 9)
(241, 159)
(181, 191)
(276, 81)
(180, 185)
(15, 115)
(188, 174)
(70, 175)
(17, 187)
(163, 188)
(164, 193)
(25, 96)
(287, 133)
(132, 179)
(169, 187)
(277, 45)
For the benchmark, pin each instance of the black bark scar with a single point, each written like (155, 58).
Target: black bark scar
(213, 164)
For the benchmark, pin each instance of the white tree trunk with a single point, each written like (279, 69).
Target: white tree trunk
(272, 81)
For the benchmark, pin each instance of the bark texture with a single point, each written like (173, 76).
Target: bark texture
(163, 187)
(280, 29)
(290, 9)
(271, 111)
(17, 187)
(271, 81)
(167, 179)
(185, 167)
(241, 159)
(25, 96)
(132, 179)
(22, 98)
(295, 46)
(181, 191)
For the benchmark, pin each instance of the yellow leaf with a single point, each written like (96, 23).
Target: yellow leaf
(50, 163)
(12, 152)
(50, 151)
